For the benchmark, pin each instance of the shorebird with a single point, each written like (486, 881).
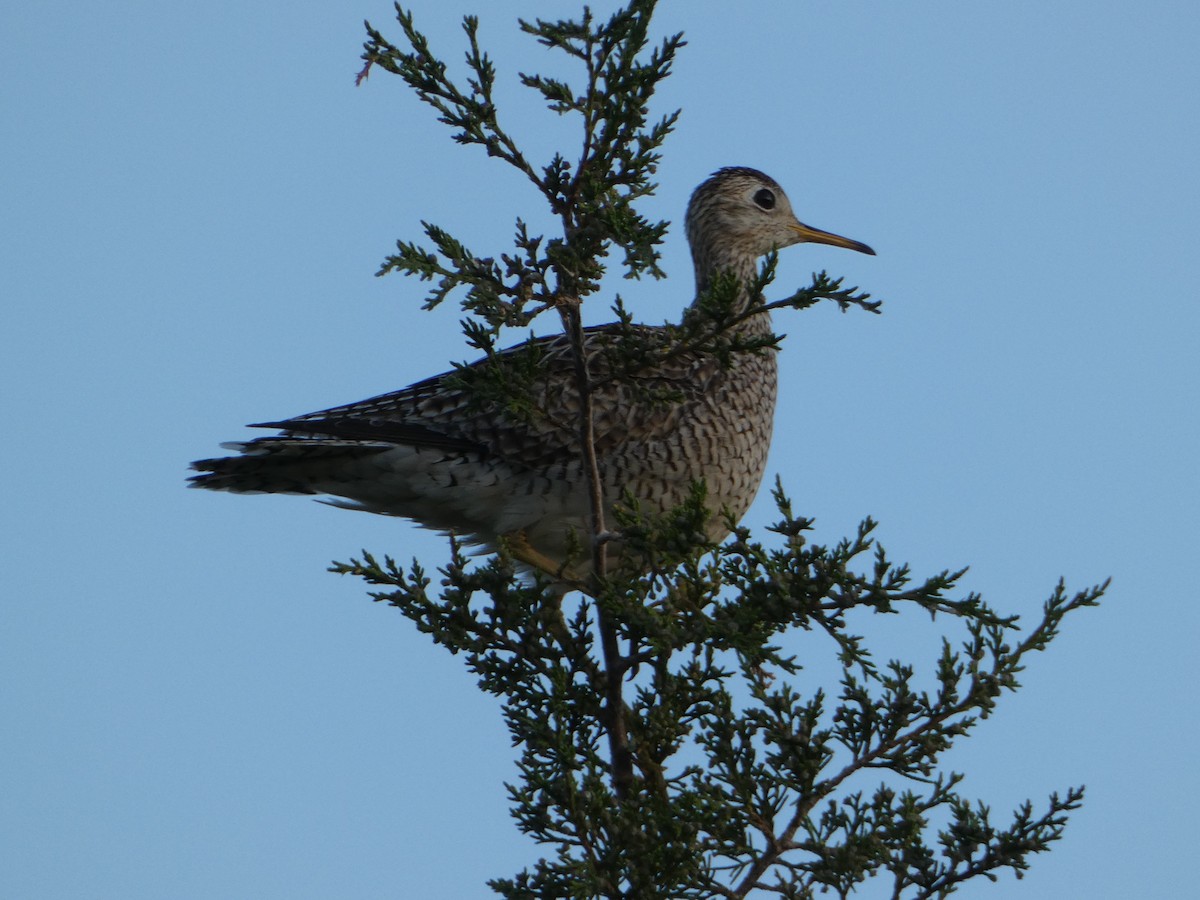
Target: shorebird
(435, 454)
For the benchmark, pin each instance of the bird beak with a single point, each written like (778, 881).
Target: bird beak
(817, 236)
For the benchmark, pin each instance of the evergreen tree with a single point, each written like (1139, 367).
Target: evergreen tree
(666, 748)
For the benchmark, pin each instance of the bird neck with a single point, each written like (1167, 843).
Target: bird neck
(714, 262)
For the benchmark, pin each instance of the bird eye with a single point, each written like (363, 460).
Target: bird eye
(765, 199)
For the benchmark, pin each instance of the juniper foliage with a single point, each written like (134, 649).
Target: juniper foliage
(666, 747)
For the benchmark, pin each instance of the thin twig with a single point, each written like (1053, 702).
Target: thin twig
(614, 665)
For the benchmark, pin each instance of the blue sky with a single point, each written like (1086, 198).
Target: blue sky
(196, 199)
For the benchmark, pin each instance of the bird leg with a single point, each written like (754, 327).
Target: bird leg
(518, 546)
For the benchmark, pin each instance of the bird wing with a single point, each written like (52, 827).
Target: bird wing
(536, 429)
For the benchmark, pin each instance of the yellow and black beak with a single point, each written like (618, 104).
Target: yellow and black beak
(817, 236)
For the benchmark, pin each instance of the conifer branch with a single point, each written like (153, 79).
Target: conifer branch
(639, 770)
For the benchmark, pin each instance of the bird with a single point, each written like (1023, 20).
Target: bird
(443, 457)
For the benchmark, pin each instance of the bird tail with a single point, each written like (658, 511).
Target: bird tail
(280, 465)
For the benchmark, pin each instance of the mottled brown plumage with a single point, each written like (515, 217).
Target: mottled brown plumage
(434, 454)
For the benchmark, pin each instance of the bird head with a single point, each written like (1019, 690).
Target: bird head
(740, 212)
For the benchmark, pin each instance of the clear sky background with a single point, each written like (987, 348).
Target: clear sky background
(195, 198)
